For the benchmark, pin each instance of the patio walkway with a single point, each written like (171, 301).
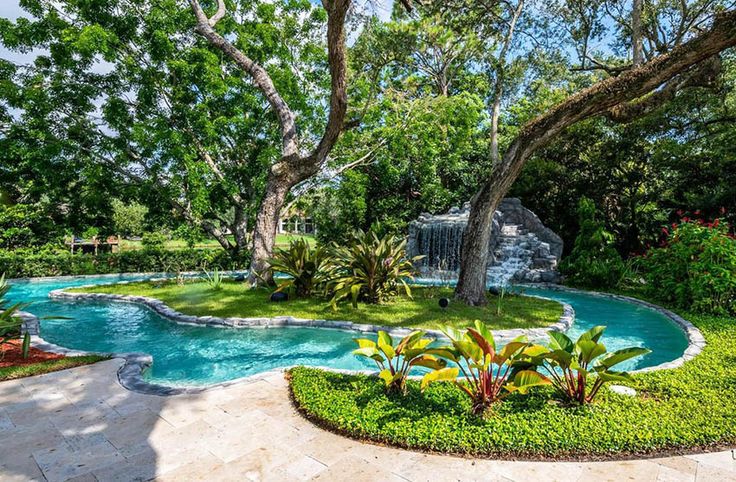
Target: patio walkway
(80, 424)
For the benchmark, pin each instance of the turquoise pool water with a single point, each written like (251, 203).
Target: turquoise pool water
(192, 355)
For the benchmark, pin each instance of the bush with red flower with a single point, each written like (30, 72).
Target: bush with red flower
(695, 267)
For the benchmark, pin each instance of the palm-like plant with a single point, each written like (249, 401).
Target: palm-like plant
(10, 322)
(396, 361)
(490, 375)
(306, 267)
(571, 364)
(371, 269)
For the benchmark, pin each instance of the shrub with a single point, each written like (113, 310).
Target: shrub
(570, 364)
(10, 322)
(370, 268)
(593, 262)
(25, 263)
(695, 268)
(396, 361)
(306, 267)
(490, 375)
(153, 241)
(128, 218)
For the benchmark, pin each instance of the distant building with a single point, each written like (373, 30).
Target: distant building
(296, 222)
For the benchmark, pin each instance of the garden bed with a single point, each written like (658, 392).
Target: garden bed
(235, 300)
(676, 411)
(13, 365)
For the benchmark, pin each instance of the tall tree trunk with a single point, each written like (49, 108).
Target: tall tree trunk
(240, 229)
(264, 234)
(618, 93)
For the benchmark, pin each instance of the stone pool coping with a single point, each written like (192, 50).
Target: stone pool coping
(130, 374)
(564, 323)
(695, 339)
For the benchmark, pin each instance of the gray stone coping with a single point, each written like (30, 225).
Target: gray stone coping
(696, 340)
(131, 373)
(563, 324)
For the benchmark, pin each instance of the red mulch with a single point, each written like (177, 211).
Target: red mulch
(11, 355)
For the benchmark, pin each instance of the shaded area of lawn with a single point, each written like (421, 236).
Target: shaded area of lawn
(684, 409)
(282, 240)
(234, 299)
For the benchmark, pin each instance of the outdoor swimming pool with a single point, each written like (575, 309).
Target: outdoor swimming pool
(194, 355)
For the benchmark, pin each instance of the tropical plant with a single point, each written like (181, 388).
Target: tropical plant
(593, 262)
(370, 268)
(306, 267)
(695, 268)
(570, 365)
(490, 375)
(10, 322)
(396, 361)
(214, 279)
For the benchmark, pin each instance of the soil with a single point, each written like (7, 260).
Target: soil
(11, 355)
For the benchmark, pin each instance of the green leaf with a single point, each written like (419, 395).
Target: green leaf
(526, 379)
(441, 375)
(622, 355)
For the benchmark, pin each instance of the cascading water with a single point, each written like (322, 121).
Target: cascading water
(521, 248)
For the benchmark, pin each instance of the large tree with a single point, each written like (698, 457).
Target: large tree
(688, 57)
(295, 165)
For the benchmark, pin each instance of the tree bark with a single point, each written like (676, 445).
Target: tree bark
(595, 100)
(637, 52)
(293, 167)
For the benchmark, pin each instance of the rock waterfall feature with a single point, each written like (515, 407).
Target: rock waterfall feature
(522, 249)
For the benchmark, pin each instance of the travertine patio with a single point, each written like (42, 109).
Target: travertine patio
(80, 424)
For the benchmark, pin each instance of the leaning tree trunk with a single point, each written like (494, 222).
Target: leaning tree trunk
(625, 93)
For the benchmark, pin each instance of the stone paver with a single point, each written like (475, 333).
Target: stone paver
(82, 425)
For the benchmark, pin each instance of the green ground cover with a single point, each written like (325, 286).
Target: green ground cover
(233, 299)
(21, 371)
(681, 409)
(281, 240)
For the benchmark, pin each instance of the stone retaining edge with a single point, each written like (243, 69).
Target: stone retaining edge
(564, 323)
(696, 340)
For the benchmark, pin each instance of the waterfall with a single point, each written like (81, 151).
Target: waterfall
(521, 248)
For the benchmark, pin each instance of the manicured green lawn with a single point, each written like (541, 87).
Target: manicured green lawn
(689, 407)
(421, 312)
(20, 371)
(281, 241)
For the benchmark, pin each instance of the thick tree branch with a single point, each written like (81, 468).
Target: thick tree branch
(290, 145)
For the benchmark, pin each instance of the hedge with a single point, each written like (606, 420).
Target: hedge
(685, 409)
(25, 265)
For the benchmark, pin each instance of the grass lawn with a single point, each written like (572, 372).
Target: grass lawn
(421, 312)
(20, 371)
(691, 407)
(282, 240)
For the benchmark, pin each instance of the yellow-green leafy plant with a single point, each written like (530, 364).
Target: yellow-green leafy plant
(306, 268)
(579, 369)
(489, 374)
(370, 269)
(396, 361)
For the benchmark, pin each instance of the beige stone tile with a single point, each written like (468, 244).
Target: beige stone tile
(302, 468)
(22, 467)
(235, 442)
(430, 468)
(619, 471)
(196, 469)
(547, 471)
(135, 428)
(257, 465)
(61, 463)
(681, 464)
(710, 473)
(667, 474)
(356, 469)
(725, 460)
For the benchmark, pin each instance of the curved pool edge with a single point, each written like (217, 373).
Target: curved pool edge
(564, 323)
(695, 339)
